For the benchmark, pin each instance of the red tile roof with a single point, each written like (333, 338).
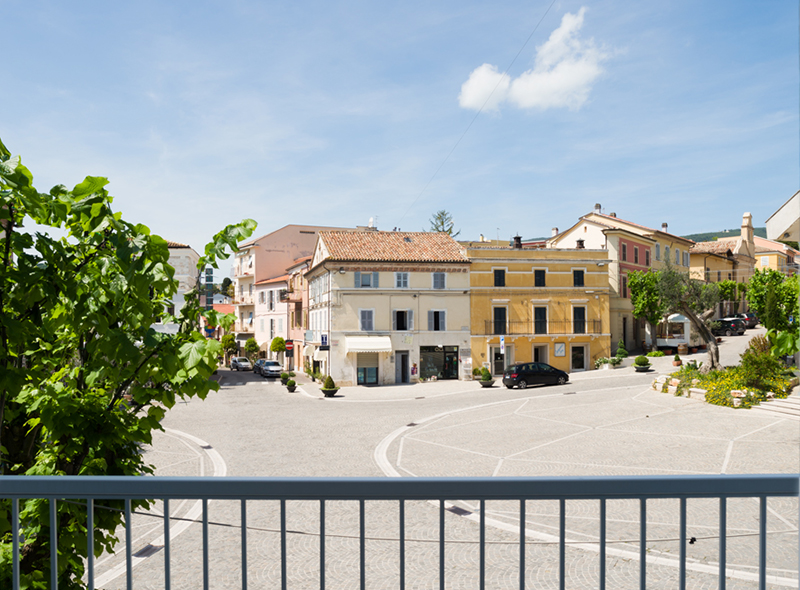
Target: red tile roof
(391, 246)
(280, 279)
(176, 245)
(650, 229)
(225, 307)
(718, 247)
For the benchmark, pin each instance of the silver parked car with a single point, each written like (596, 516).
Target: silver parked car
(271, 369)
(241, 363)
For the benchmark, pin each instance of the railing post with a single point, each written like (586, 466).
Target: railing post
(167, 554)
(642, 543)
(723, 532)
(322, 545)
(482, 549)
(402, 544)
(762, 544)
(90, 543)
(15, 542)
(362, 543)
(128, 543)
(562, 544)
(602, 544)
(682, 549)
(441, 545)
(522, 518)
(53, 545)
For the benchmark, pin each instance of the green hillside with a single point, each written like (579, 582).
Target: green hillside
(761, 232)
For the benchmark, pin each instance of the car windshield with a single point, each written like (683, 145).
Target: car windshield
(272, 363)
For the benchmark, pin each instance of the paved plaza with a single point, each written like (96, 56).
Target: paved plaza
(600, 423)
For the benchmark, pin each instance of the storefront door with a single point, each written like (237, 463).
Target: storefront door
(367, 368)
(578, 358)
(401, 367)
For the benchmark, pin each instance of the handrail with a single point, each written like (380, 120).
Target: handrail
(422, 488)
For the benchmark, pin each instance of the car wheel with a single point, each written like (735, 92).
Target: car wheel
(522, 384)
(562, 380)
(728, 332)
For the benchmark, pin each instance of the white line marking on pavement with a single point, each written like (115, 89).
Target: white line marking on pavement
(380, 457)
(220, 469)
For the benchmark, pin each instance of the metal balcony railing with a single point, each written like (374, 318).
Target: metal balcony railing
(442, 492)
(535, 328)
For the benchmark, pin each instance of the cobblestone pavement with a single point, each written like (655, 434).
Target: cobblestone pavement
(601, 423)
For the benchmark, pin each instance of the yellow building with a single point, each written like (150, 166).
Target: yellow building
(631, 247)
(538, 304)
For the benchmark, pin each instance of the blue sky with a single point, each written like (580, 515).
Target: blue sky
(202, 113)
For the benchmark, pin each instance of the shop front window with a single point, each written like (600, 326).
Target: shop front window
(440, 362)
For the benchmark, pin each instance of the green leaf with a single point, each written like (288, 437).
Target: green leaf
(90, 185)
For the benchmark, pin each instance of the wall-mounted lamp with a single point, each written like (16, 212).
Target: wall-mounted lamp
(341, 271)
(601, 264)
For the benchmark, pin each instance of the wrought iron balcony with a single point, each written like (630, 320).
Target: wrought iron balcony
(540, 328)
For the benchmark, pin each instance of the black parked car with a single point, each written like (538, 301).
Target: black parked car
(728, 327)
(525, 374)
(750, 319)
(257, 366)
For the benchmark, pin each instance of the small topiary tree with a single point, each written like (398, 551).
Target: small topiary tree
(621, 351)
(329, 384)
(251, 347)
(485, 374)
(641, 361)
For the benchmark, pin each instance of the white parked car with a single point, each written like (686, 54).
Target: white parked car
(241, 363)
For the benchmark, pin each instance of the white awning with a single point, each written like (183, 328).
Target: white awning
(369, 344)
(677, 318)
(308, 350)
(320, 355)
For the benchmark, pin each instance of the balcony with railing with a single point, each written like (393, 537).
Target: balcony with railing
(564, 532)
(244, 300)
(244, 326)
(541, 328)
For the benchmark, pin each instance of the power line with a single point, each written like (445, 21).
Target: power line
(505, 73)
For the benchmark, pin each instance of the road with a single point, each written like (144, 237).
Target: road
(601, 423)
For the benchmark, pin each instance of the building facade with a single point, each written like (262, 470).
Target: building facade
(538, 305)
(389, 307)
(271, 312)
(630, 247)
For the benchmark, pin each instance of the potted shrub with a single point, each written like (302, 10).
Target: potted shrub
(676, 362)
(621, 351)
(329, 388)
(291, 384)
(284, 378)
(641, 364)
(602, 363)
(476, 374)
(486, 378)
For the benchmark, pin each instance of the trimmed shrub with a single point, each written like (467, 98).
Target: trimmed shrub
(329, 384)
(641, 361)
(485, 374)
(291, 383)
(655, 353)
(284, 376)
(476, 372)
(677, 357)
(621, 351)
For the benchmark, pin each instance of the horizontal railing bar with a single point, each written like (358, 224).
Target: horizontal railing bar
(351, 488)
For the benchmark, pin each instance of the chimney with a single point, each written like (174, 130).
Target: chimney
(612, 214)
(517, 242)
(579, 244)
(664, 227)
(554, 232)
(597, 208)
(482, 239)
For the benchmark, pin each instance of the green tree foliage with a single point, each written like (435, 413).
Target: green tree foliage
(278, 344)
(786, 293)
(225, 286)
(251, 347)
(695, 300)
(229, 344)
(84, 378)
(645, 298)
(727, 290)
(442, 221)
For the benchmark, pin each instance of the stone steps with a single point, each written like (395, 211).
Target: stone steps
(786, 408)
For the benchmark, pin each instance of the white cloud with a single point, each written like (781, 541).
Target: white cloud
(565, 69)
(485, 84)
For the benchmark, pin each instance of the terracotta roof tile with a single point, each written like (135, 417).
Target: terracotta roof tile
(612, 219)
(176, 245)
(378, 246)
(718, 247)
(280, 279)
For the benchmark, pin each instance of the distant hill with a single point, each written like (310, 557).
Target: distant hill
(761, 232)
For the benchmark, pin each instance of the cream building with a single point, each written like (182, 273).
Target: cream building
(184, 260)
(389, 307)
(630, 247)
